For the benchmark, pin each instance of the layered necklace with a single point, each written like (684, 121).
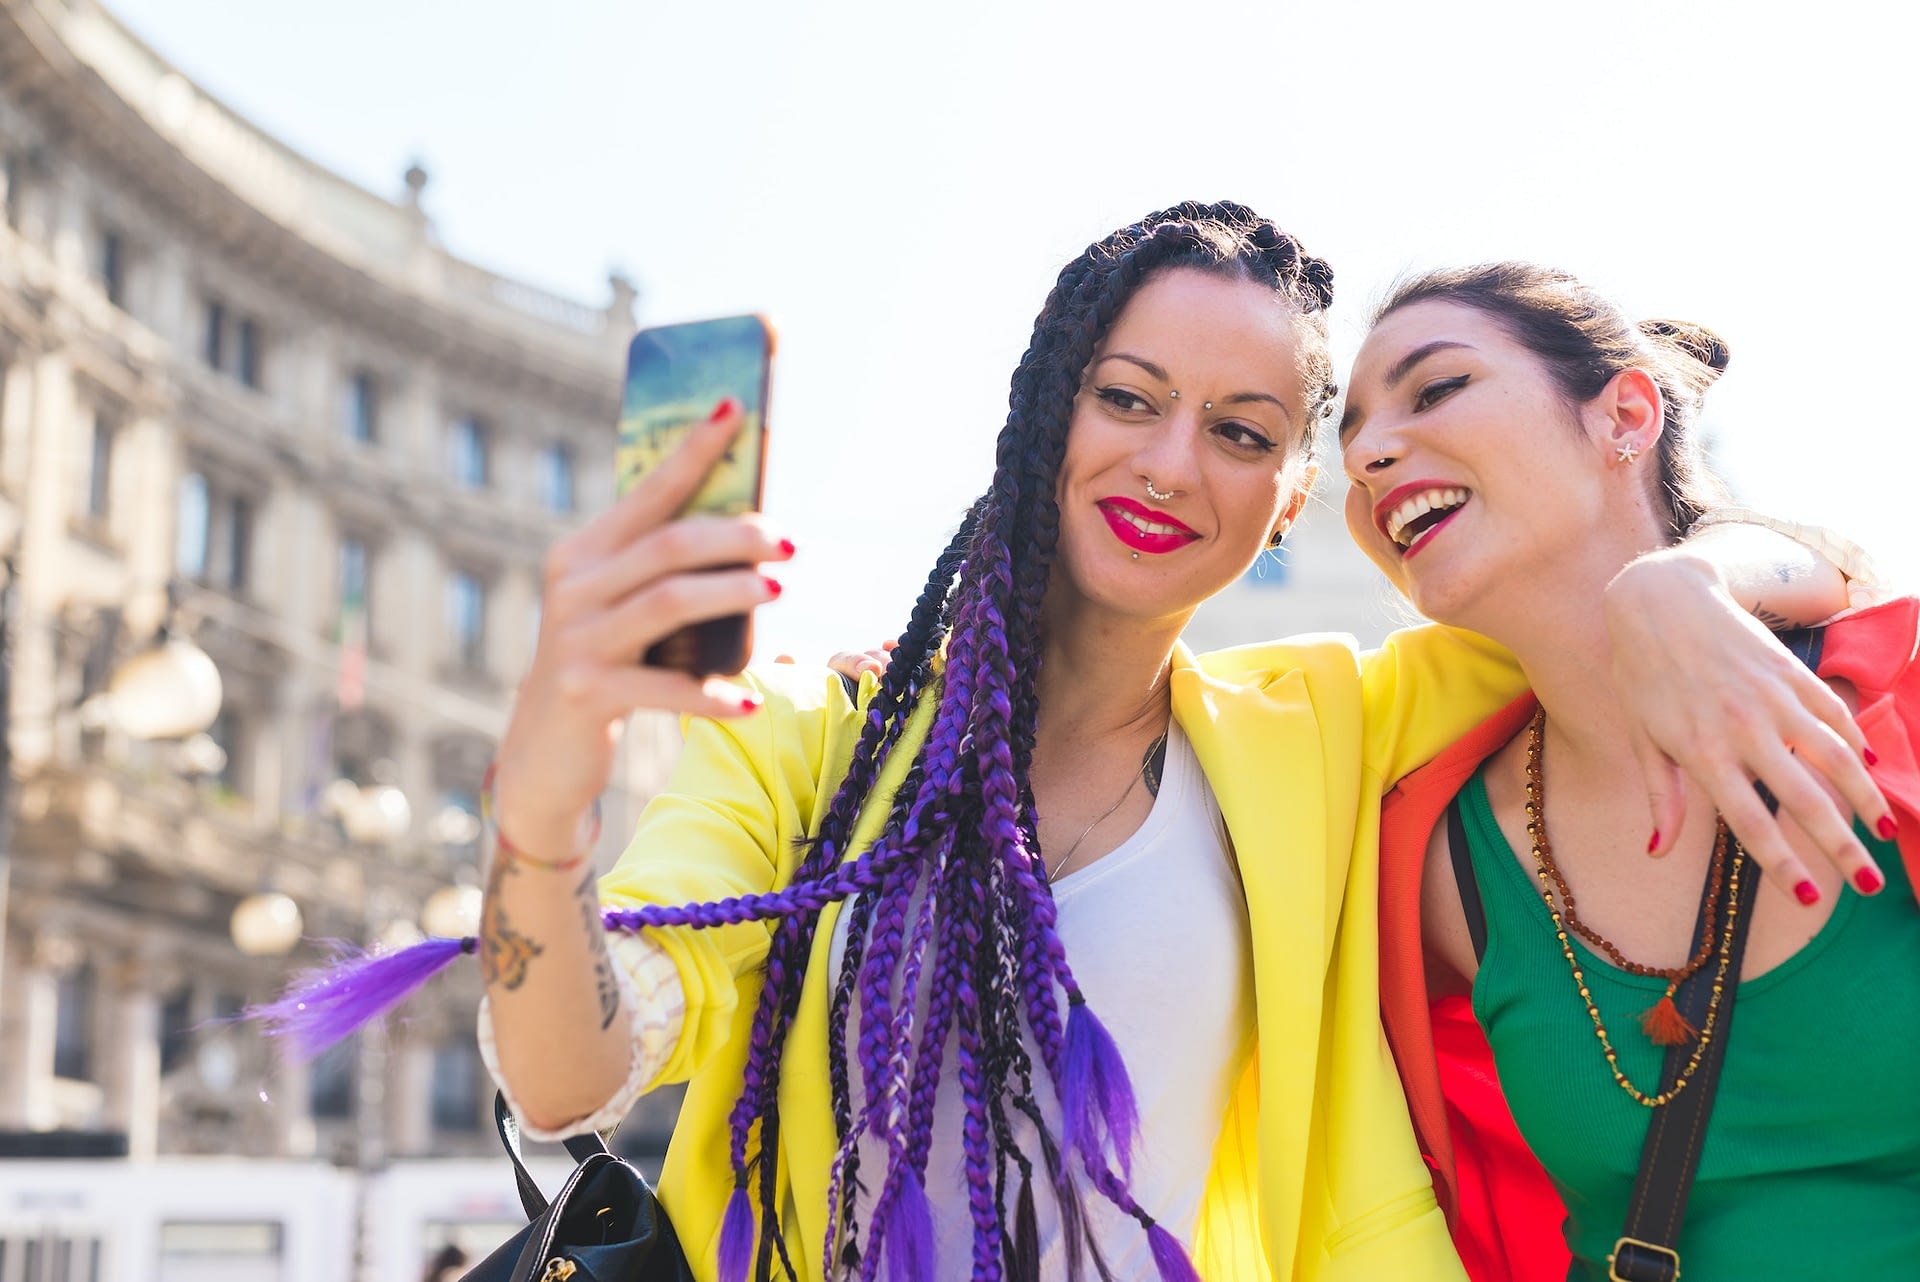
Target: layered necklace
(1662, 1023)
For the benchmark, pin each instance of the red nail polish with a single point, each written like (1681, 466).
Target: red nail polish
(1653, 842)
(1869, 881)
(1871, 757)
(1807, 893)
(786, 547)
(1888, 829)
(773, 585)
(727, 405)
(749, 704)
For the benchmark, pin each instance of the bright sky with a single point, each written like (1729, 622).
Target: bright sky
(897, 185)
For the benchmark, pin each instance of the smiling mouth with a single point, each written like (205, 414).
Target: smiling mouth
(1142, 529)
(1419, 514)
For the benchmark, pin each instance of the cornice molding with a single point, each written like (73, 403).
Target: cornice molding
(188, 158)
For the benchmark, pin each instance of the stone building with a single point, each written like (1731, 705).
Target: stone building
(246, 399)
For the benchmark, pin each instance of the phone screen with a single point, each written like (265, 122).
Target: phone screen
(676, 375)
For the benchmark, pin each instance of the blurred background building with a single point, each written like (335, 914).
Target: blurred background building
(276, 474)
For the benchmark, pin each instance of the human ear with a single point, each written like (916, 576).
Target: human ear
(1302, 491)
(1635, 413)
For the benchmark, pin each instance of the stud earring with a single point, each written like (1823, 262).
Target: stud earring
(1278, 537)
(1627, 453)
(1156, 494)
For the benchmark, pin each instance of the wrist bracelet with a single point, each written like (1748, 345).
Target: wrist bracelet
(505, 847)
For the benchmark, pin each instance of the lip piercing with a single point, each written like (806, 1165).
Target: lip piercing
(1156, 494)
(1626, 453)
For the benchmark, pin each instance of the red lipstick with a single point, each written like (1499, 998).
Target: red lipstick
(1122, 515)
(1400, 494)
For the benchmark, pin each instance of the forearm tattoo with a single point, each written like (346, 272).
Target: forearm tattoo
(603, 981)
(504, 951)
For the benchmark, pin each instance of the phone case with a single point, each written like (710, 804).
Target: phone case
(676, 374)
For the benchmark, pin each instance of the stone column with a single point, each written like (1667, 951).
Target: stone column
(410, 1098)
(130, 1067)
(33, 1004)
(293, 1108)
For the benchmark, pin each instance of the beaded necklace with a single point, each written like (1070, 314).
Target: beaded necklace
(1663, 1023)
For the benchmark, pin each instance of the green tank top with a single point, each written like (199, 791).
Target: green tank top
(1811, 1168)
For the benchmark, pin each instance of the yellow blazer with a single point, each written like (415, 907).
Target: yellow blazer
(1316, 1176)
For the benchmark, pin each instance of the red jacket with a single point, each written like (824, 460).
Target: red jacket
(1505, 1214)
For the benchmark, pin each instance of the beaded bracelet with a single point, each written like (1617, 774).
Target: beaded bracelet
(519, 856)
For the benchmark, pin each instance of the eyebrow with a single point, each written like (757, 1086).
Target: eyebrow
(1238, 398)
(1398, 373)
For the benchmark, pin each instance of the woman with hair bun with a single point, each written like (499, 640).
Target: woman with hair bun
(1525, 930)
(1052, 951)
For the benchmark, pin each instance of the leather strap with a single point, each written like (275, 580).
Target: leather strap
(1678, 1132)
(579, 1148)
(1463, 877)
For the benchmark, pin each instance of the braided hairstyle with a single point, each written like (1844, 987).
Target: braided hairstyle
(1584, 339)
(951, 900)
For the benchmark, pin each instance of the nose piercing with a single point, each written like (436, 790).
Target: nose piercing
(1380, 462)
(1156, 494)
(1174, 395)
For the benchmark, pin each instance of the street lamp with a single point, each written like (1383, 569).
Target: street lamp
(170, 691)
(267, 924)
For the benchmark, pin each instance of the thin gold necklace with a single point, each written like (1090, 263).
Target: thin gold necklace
(1146, 766)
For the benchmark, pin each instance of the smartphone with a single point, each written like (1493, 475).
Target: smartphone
(676, 374)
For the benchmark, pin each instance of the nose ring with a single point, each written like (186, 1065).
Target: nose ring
(1156, 494)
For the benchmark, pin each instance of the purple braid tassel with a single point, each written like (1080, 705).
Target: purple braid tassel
(1096, 1099)
(736, 1235)
(1169, 1257)
(908, 1231)
(355, 988)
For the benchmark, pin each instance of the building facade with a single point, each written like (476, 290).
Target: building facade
(245, 399)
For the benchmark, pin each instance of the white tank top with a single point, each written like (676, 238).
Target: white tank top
(1156, 933)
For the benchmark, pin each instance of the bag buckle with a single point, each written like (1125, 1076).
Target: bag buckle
(1652, 1248)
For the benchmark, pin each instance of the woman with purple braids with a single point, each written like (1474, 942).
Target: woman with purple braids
(913, 901)
(964, 967)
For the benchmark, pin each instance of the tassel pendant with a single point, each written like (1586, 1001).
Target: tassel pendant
(1664, 1025)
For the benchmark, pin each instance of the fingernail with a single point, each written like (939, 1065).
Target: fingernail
(1869, 881)
(749, 704)
(1807, 893)
(772, 584)
(1888, 829)
(726, 406)
(786, 547)
(1871, 757)
(1653, 842)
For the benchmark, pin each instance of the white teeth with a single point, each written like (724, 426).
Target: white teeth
(1145, 526)
(1418, 505)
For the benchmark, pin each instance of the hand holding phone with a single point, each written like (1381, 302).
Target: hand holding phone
(614, 588)
(675, 375)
